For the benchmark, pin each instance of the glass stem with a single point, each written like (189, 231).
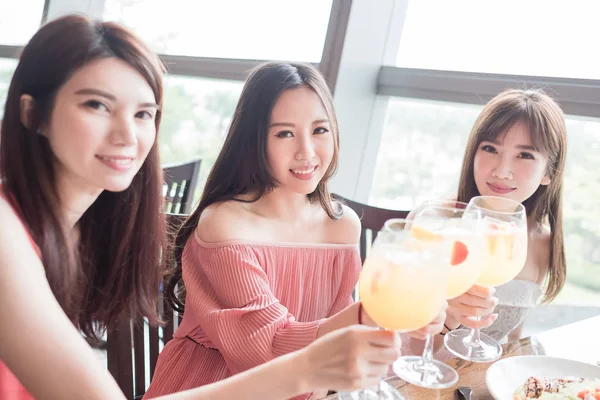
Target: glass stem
(428, 351)
(475, 333)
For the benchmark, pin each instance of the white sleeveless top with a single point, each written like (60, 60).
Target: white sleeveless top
(516, 298)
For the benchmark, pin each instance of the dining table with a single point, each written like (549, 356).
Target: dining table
(579, 341)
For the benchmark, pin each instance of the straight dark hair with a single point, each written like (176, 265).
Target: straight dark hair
(546, 124)
(114, 271)
(242, 166)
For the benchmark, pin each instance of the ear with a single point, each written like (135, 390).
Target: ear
(545, 180)
(26, 105)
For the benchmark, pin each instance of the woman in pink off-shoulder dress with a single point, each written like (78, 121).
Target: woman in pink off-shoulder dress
(269, 259)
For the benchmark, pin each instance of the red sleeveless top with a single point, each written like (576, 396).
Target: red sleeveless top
(10, 387)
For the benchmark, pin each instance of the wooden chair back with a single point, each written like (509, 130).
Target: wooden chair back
(133, 347)
(372, 220)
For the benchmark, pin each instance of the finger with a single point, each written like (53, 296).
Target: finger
(432, 329)
(476, 301)
(417, 335)
(481, 291)
(379, 355)
(382, 338)
(471, 311)
(444, 306)
(439, 319)
(479, 324)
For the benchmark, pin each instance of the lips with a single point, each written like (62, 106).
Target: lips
(117, 159)
(119, 163)
(305, 173)
(500, 189)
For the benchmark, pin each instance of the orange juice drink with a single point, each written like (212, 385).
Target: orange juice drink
(466, 257)
(505, 253)
(401, 290)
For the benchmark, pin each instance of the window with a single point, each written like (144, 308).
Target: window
(7, 68)
(582, 212)
(411, 166)
(534, 37)
(196, 116)
(258, 29)
(19, 21)
(420, 157)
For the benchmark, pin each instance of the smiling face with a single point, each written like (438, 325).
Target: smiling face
(509, 166)
(102, 125)
(300, 143)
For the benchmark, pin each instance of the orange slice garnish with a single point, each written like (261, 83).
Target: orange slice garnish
(510, 244)
(376, 281)
(424, 235)
(492, 243)
(508, 239)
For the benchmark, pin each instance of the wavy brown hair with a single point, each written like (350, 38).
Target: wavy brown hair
(546, 124)
(242, 166)
(114, 271)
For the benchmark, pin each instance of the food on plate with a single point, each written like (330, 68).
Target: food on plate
(566, 388)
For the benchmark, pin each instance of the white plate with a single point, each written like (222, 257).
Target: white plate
(503, 377)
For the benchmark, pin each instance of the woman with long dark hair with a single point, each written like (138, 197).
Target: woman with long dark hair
(269, 259)
(82, 232)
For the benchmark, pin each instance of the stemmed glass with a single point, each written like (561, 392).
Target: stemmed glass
(402, 287)
(438, 221)
(504, 253)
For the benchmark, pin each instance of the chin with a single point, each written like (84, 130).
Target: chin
(117, 185)
(306, 190)
(511, 196)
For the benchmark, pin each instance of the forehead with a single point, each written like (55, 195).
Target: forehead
(517, 134)
(111, 75)
(298, 104)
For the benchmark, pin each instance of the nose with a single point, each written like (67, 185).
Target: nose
(306, 148)
(123, 132)
(503, 169)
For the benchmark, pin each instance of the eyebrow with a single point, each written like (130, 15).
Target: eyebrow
(106, 95)
(290, 125)
(519, 146)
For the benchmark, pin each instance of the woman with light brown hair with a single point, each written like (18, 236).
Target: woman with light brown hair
(517, 150)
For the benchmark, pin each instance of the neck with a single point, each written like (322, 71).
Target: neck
(75, 198)
(283, 205)
(532, 224)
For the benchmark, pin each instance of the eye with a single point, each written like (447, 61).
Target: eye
(320, 131)
(488, 148)
(284, 134)
(144, 115)
(96, 105)
(527, 156)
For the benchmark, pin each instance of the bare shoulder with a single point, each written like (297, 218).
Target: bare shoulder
(226, 221)
(12, 230)
(17, 255)
(40, 364)
(346, 229)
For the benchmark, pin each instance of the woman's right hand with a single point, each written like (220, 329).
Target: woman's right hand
(350, 358)
(479, 301)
